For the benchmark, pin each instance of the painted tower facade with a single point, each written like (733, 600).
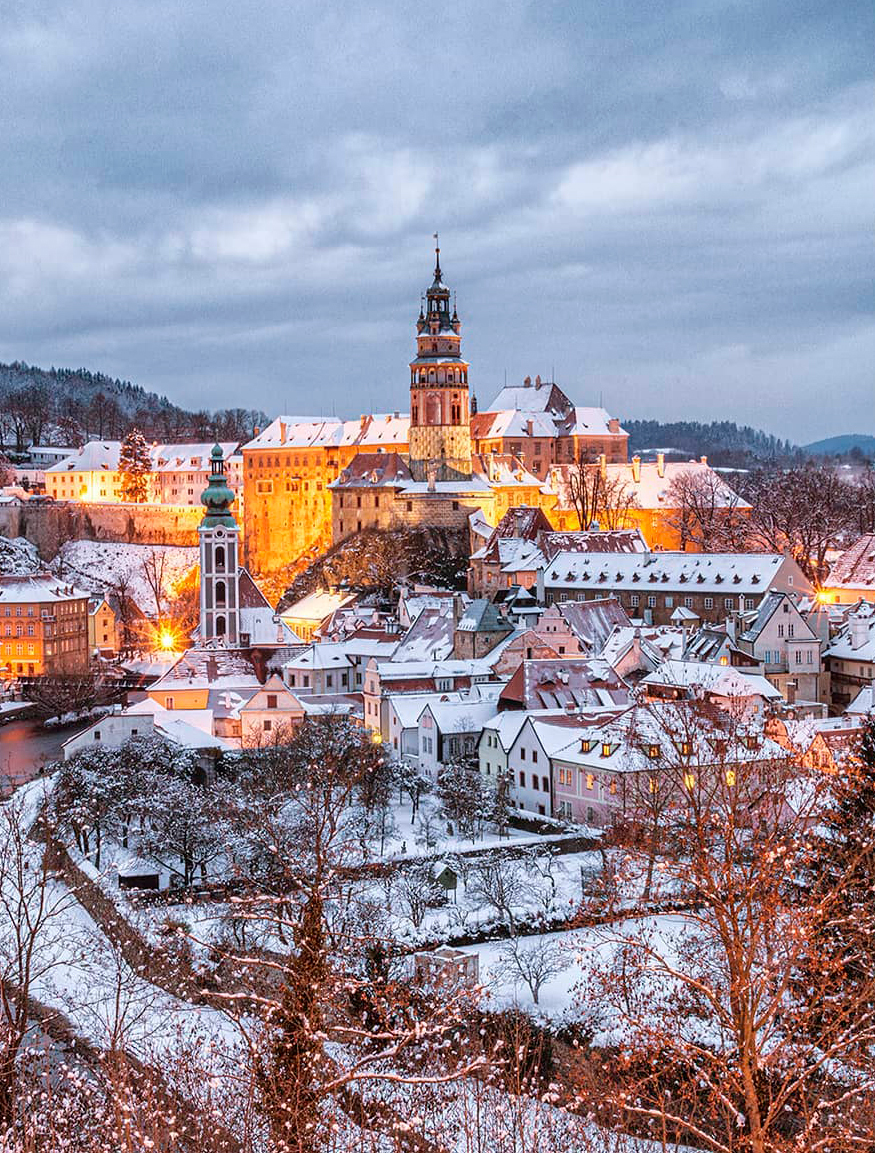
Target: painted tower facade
(219, 559)
(440, 421)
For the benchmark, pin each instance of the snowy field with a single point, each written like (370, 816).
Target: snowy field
(100, 566)
(569, 994)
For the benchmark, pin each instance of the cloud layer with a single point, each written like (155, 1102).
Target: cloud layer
(669, 205)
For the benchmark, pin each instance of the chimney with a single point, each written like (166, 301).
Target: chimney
(530, 428)
(282, 432)
(859, 632)
(660, 464)
(603, 464)
(256, 431)
(458, 608)
(537, 382)
(703, 460)
(212, 669)
(613, 425)
(527, 383)
(636, 469)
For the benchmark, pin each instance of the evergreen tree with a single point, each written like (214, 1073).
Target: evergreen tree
(135, 464)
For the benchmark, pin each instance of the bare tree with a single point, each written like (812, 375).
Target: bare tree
(720, 1043)
(706, 513)
(597, 496)
(32, 924)
(802, 510)
(534, 961)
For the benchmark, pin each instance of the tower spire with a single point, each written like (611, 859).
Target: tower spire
(437, 258)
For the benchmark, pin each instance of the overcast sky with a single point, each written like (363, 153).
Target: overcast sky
(668, 204)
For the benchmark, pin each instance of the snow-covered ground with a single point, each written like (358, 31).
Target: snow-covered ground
(100, 566)
(578, 953)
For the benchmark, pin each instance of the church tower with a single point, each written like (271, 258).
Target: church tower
(219, 556)
(440, 421)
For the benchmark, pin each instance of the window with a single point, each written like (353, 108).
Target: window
(97, 734)
(522, 780)
(688, 602)
(534, 782)
(606, 748)
(271, 700)
(727, 602)
(168, 702)
(264, 487)
(522, 754)
(590, 781)
(653, 752)
(651, 602)
(669, 602)
(535, 756)
(709, 602)
(634, 600)
(780, 630)
(749, 604)
(268, 725)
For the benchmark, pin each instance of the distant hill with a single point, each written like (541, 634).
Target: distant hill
(73, 405)
(841, 445)
(722, 441)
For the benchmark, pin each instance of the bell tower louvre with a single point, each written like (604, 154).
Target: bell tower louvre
(440, 422)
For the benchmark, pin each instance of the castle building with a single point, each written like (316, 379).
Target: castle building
(311, 482)
(440, 421)
(540, 426)
(219, 560)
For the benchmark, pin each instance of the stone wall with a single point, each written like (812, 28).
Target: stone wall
(48, 526)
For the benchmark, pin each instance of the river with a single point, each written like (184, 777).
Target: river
(26, 746)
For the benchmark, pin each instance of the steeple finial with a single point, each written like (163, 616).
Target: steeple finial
(437, 258)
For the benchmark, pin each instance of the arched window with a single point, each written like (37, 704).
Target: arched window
(422, 375)
(433, 409)
(220, 626)
(220, 594)
(431, 375)
(220, 558)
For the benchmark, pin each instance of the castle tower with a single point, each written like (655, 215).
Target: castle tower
(440, 422)
(219, 556)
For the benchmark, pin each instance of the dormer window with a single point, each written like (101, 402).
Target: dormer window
(607, 748)
(653, 752)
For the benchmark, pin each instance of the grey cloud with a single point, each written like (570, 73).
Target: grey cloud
(670, 203)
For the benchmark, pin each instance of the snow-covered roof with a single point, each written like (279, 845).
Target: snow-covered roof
(722, 680)
(651, 489)
(463, 712)
(622, 744)
(387, 429)
(430, 637)
(855, 568)
(188, 457)
(481, 616)
(565, 682)
(425, 670)
(316, 606)
(725, 573)
(40, 588)
(209, 668)
(96, 456)
(327, 655)
(864, 702)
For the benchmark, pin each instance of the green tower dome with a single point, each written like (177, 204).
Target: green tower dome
(217, 497)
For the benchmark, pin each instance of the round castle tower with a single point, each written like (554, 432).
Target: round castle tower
(440, 420)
